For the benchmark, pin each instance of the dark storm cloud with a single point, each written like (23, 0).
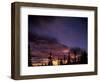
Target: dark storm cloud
(71, 31)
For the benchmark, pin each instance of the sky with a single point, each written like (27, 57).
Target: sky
(70, 31)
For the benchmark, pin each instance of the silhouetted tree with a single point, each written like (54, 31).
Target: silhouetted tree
(65, 58)
(29, 56)
(68, 58)
(84, 59)
(50, 59)
(61, 62)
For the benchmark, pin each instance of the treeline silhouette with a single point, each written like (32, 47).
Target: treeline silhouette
(75, 56)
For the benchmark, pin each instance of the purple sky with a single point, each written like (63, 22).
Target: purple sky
(70, 31)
